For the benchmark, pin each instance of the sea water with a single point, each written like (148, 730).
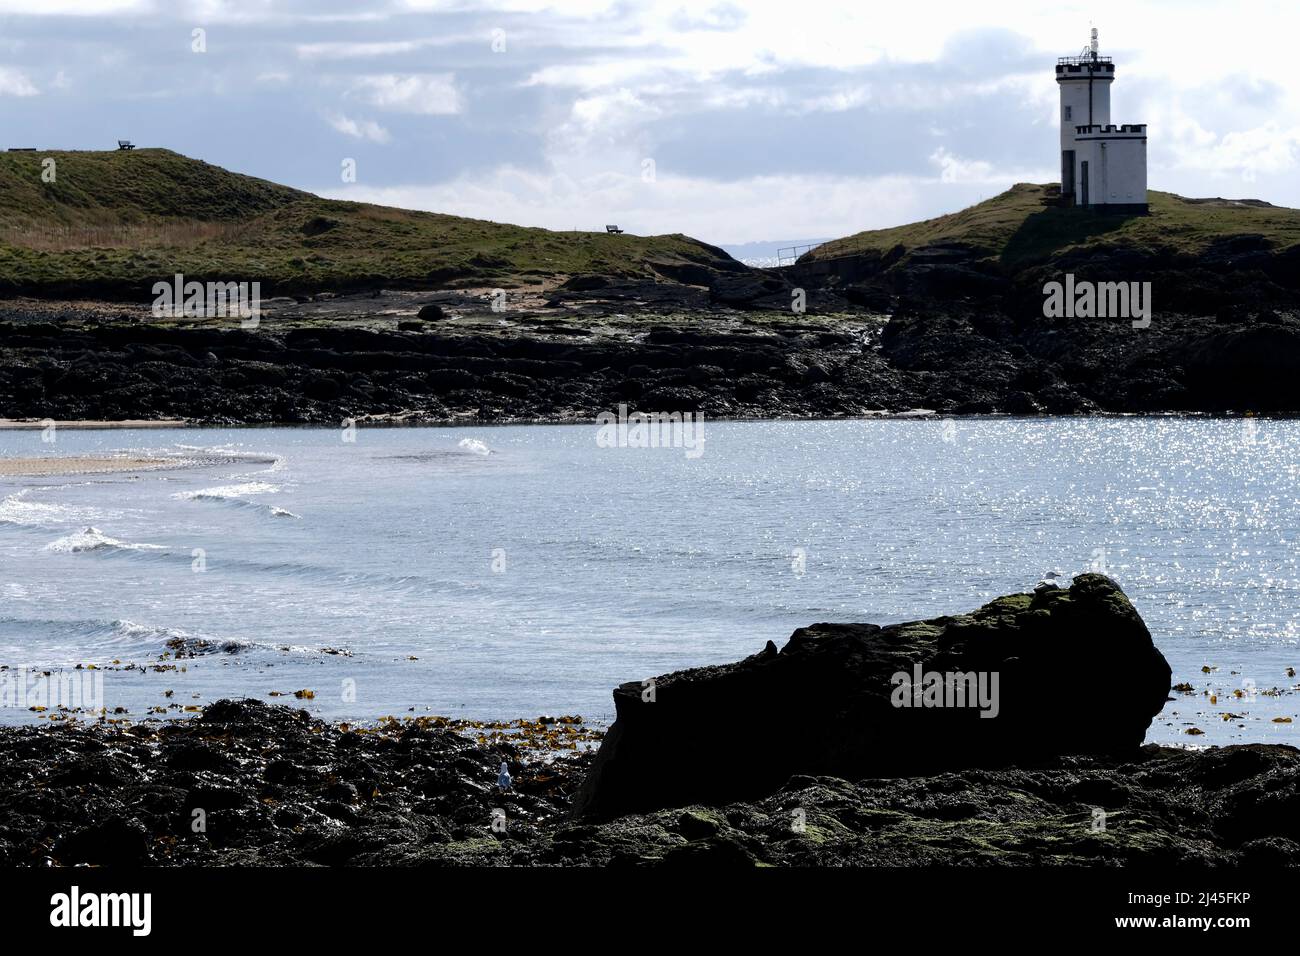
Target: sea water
(516, 571)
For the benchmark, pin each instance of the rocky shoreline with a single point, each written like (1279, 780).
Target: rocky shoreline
(801, 772)
(731, 350)
(278, 788)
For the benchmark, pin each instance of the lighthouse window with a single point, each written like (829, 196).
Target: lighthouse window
(1069, 112)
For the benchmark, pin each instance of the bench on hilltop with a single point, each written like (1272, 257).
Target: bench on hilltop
(125, 144)
(614, 229)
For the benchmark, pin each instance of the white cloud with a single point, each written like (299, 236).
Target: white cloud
(614, 110)
(719, 212)
(954, 169)
(84, 8)
(344, 50)
(360, 129)
(1267, 149)
(431, 94)
(15, 83)
(568, 7)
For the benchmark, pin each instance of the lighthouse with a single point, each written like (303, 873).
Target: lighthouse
(1103, 166)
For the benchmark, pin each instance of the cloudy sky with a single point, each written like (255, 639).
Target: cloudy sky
(736, 121)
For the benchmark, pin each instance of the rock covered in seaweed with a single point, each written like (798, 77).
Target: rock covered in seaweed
(858, 701)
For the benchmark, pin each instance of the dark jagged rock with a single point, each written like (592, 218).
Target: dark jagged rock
(569, 352)
(277, 787)
(745, 289)
(269, 784)
(1255, 367)
(585, 283)
(324, 361)
(831, 703)
(1157, 806)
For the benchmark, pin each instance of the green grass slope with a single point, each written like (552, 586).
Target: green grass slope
(1016, 229)
(112, 223)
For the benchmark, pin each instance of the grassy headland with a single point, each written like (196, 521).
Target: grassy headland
(1015, 229)
(112, 223)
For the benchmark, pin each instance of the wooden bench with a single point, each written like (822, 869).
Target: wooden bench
(125, 144)
(614, 229)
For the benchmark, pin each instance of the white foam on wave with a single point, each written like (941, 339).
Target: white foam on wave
(239, 495)
(129, 632)
(92, 539)
(475, 446)
(188, 642)
(230, 492)
(126, 637)
(175, 639)
(274, 462)
(16, 509)
(213, 451)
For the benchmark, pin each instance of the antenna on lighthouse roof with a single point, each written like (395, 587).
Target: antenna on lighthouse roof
(1091, 48)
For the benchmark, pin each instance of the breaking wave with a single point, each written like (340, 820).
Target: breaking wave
(92, 539)
(124, 636)
(17, 509)
(240, 496)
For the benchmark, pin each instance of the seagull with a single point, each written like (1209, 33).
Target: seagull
(1049, 581)
(503, 778)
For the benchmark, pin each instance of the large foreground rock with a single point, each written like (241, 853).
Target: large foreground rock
(842, 700)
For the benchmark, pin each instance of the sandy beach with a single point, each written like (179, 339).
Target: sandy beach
(79, 465)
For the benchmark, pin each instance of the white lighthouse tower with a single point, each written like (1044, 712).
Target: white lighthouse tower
(1103, 166)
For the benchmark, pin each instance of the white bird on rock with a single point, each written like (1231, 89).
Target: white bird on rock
(1050, 580)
